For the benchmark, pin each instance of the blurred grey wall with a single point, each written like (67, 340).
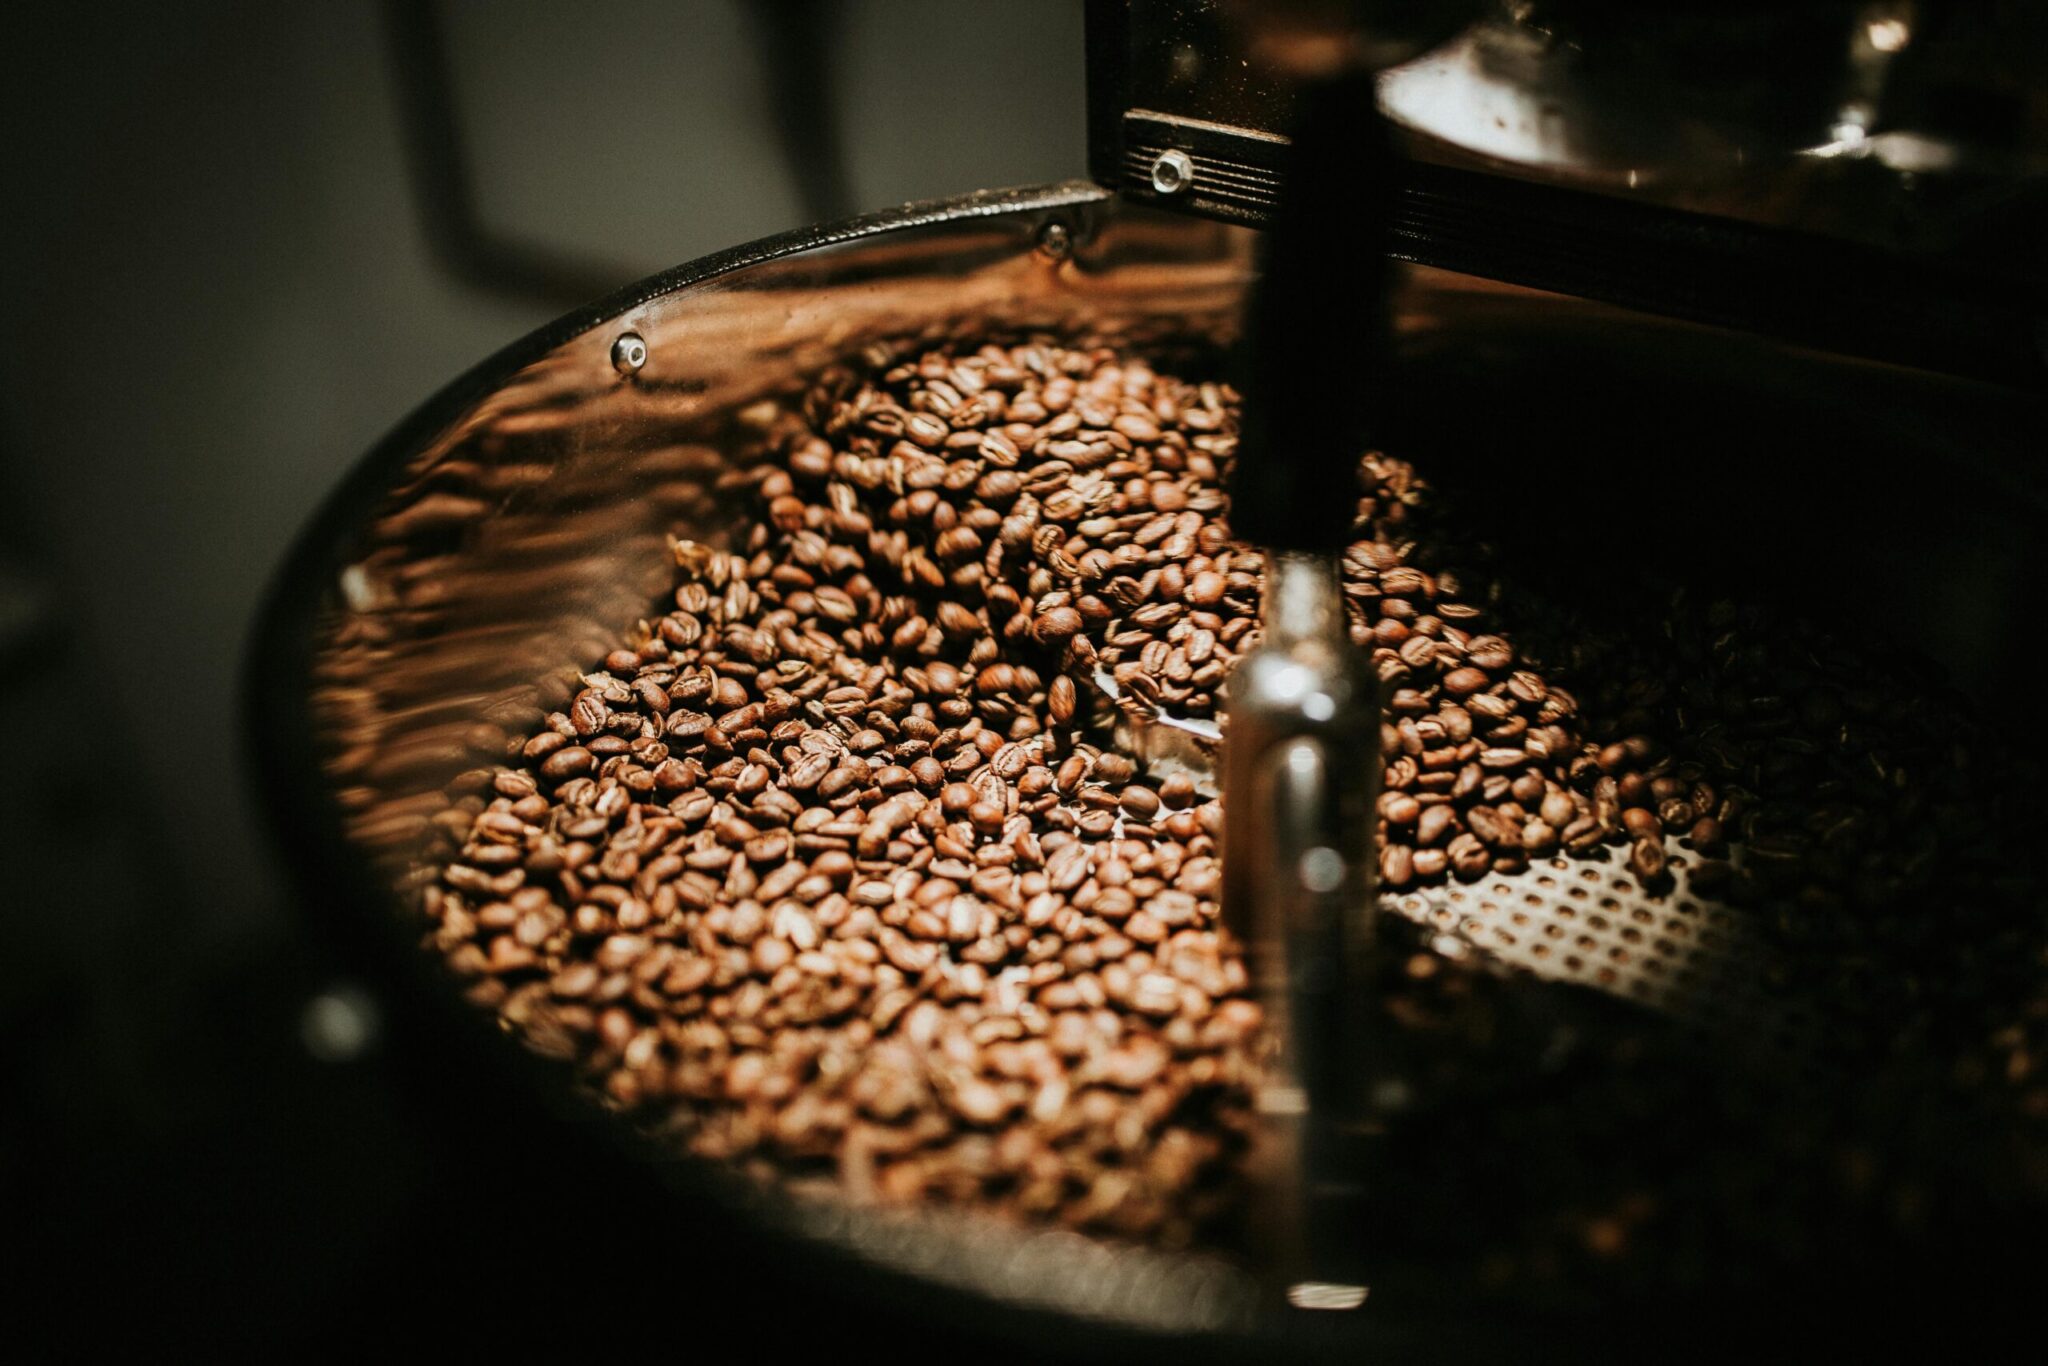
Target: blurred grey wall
(217, 294)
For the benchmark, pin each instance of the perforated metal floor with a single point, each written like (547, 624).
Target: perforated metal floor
(1588, 922)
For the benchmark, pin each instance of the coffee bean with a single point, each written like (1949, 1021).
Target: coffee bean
(1114, 769)
(1490, 653)
(808, 771)
(566, 763)
(589, 713)
(1061, 699)
(1466, 681)
(1640, 823)
(1206, 589)
(1646, 858)
(1069, 867)
(1469, 858)
(1397, 865)
(1056, 625)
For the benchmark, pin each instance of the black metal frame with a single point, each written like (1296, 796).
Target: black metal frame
(1799, 287)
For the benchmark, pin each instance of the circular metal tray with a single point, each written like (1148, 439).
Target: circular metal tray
(518, 522)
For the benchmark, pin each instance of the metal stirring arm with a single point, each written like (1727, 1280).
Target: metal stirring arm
(1301, 759)
(1301, 773)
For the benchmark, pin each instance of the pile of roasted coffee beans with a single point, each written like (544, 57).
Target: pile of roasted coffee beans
(825, 873)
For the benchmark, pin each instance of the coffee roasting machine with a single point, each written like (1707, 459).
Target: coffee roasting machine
(1745, 296)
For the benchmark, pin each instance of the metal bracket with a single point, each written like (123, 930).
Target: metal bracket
(1801, 287)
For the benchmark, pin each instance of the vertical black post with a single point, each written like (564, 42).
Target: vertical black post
(1315, 326)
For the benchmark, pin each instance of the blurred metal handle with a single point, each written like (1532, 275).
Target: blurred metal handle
(1301, 770)
(1310, 900)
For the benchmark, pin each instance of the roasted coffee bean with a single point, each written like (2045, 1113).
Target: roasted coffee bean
(1434, 825)
(1676, 814)
(1056, 624)
(1397, 865)
(1061, 699)
(1706, 836)
(1490, 653)
(566, 763)
(1466, 681)
(1206, 589)
(1468, 855)
(589, 713)
(1640, 823)
(1646, 858)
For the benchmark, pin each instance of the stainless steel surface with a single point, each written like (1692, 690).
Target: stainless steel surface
(1885, 121)
(1164, 742)
(1636, 97)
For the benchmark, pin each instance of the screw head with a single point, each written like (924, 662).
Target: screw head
(1172, 171)
(1056, 240)
(629, 353)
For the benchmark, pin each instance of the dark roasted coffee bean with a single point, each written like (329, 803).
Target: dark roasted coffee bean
(1469, 858)
(1464, 682)
(1640, 823)
(1061, 700)
(1397, 865)
(1489, 652)
(589, 713)
(566, 762)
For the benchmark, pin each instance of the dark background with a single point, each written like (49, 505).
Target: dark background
(233, 258)
(238, 243)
